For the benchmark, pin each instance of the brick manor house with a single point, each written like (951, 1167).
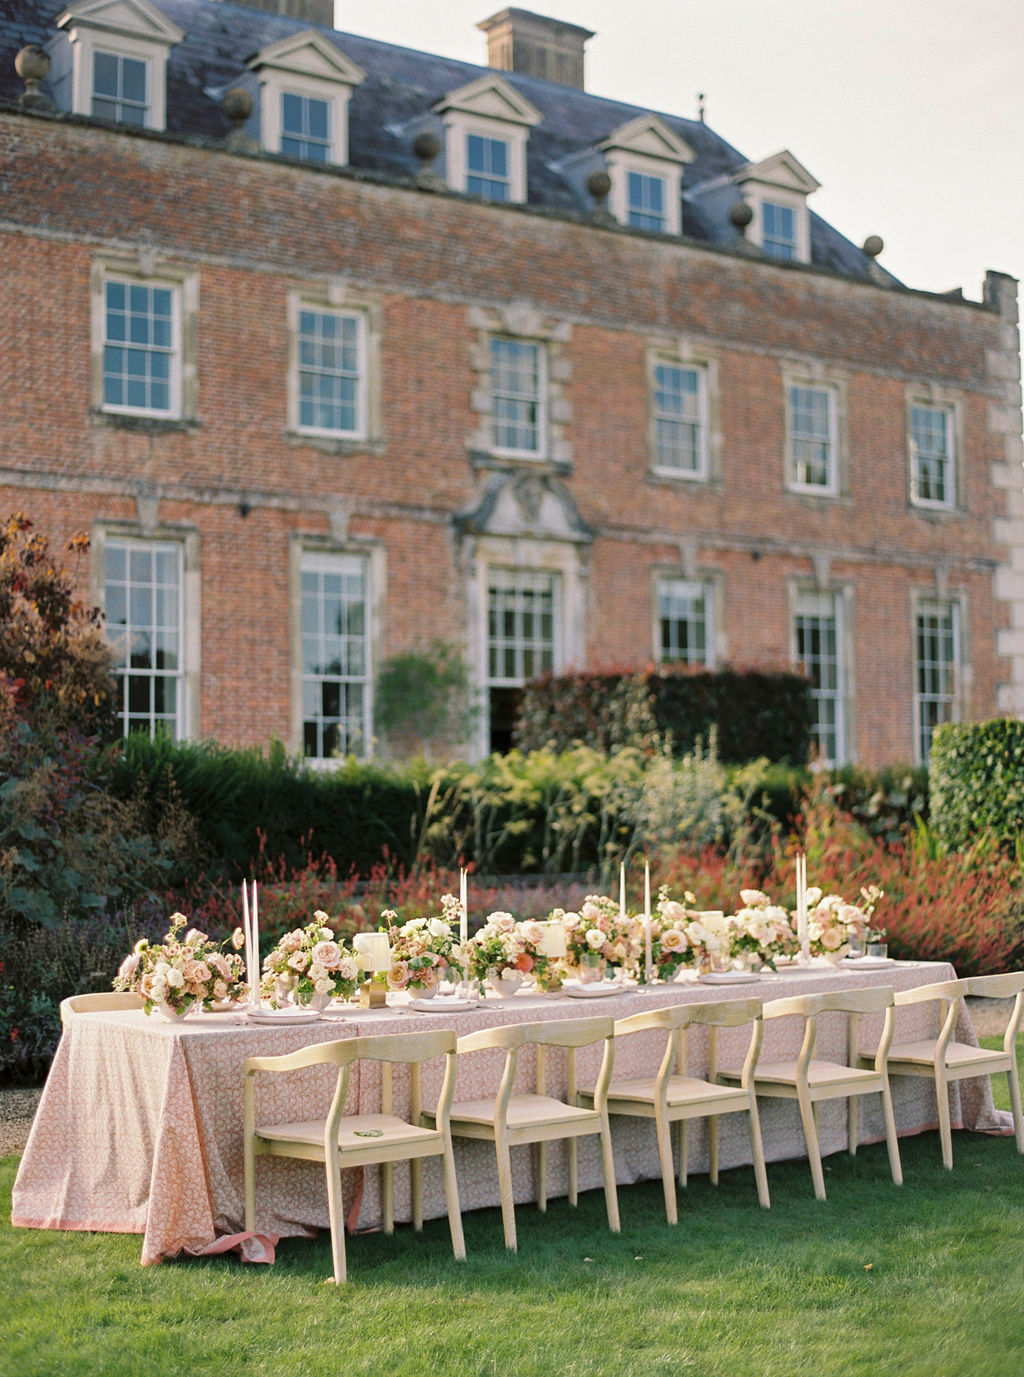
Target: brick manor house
(336, 348)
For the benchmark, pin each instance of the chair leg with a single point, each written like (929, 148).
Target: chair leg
(1015, 1105)
(451, 1195)
(336, 1214)
(668, 1171)
(891, 1141)
(852, 1135)
(811, 1141)
(250, 1185)
(416, 1187)
(508, 1207)
(683, 1156)
(611, 1196)
(757, 1152)
(945, 1128)
(713, 1149)
(387, 1196)
(542, 1178)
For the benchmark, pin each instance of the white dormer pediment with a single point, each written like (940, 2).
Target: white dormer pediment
(308, 54)
(130, 18)
(782, 171)
(650, 137)
(490, 98)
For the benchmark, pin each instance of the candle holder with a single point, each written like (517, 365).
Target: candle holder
(373, 994)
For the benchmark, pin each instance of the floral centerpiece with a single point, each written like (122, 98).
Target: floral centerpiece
(761, 930)
(310, 966)
(182, 971)
(683, 935)
(505, 951)
(424, 951)
(601, 932)
(832, 922)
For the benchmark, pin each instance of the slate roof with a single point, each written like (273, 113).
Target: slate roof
(402, 85)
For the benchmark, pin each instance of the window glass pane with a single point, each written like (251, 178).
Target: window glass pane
(819, 655)
(335, 655)
(139, 378)
(683, 615)
(516, 395)
(812, 441)
(932, 455)
(305, 127)
(487, 168)
(645, 201)
(778, 230)
(330, 348)
(937, 669)
(679, 407)
(142, 600)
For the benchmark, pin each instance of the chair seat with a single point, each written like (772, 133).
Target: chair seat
(680, 1090)
(819, 1074)
(524, 1111)
(958, 1054)
(356, 1131)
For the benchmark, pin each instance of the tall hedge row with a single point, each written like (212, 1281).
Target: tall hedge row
(754, 713)
(977, 781)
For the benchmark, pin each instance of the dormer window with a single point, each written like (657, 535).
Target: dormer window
(305, 84)
(110, 61)
(777, 190)
(486, 126)
(645, 161)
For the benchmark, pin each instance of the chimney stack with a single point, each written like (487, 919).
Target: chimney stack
(312, 11)
(518, 41)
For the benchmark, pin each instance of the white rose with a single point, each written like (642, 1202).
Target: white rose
(438, 928)
(753, 897)
(595, 939)
(174, 978)
(324, 986)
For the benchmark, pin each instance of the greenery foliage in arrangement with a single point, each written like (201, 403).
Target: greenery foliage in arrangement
(977, 782)
(754, 713)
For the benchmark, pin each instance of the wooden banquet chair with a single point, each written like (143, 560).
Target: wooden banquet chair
(945, 1060)
(809, 1080)
(508, 1120)
(354, 1140)
(674, 1096)
(102, 1002)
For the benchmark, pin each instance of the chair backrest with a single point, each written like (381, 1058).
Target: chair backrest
(852, 1002)
(1004, 986)
(573, 1033)
(677, 1019)
(102, 1002)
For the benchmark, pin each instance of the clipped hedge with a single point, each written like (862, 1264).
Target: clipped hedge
(754, 713)
(977, 781)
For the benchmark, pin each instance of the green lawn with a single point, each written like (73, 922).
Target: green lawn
(925, 1280)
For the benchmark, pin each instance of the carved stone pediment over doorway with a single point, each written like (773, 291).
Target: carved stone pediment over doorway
(525, 506)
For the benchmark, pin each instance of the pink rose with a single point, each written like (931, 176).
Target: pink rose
(398, 975)
(673, 940)
(328, 954)
(129, 966)
(832, 939)
(532, 932)
(221, 965)
(196, 972)
(238, 939)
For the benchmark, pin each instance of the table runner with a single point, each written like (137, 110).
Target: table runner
(139, 1128)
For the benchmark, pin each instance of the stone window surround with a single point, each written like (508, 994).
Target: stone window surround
(958, 598)
(189, 725)
(148, 268)
(941, 399)
(683, 353)
(341, 297)
(816, 375)
(843, 594)
(621, 163)
(373, 552)
(713, 582)
(520, 320)
(757, 195)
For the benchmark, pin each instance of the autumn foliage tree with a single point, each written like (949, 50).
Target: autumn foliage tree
(53, 654)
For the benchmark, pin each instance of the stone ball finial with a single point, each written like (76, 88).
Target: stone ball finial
(741, 215)
(426, 145)
(599, 184)
(873, 245)
(33, 65)
(237, 104)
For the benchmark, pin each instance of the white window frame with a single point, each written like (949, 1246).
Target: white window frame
(360, 429)
(119, 99)
(186, 547)
(665, 585)
(327, 143)
(494, 109)
(130, 282)
(638, 212)
(489, 137)
(950, 412)
(123, 28)
(826, 604)
(343, 563)
(304, 64)
(952, 699)
(539, 399)
(833, 440)
(699, 422)
(771, 243)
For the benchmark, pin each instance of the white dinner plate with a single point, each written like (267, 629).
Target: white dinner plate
(866, 963)
(441, 1005)
(283, 1015)
(597, 989)
(728, 977)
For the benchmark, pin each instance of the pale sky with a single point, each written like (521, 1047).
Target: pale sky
(909, 112)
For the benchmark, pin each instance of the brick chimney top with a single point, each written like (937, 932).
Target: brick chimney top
(518, 41)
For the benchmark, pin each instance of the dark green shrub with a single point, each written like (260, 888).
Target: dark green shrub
(753, 714)
(977, 782)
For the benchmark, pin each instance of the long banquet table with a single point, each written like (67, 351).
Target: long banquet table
(139, 1128)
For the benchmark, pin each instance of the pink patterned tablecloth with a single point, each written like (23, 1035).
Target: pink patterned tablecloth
(139, 1129)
